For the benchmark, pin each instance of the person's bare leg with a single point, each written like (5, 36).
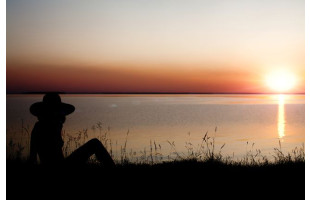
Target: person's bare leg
(94, 146)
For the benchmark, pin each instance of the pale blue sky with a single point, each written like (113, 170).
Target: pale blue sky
(150, 30)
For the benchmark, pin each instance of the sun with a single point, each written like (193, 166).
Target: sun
(280, 81)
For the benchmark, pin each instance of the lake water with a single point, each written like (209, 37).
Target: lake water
(172, 123)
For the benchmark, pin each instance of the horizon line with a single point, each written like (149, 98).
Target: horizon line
(133, 93)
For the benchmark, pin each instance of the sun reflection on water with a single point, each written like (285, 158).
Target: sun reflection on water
(281, 116)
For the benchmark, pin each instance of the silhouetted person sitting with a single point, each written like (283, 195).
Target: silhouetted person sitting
(46, 140)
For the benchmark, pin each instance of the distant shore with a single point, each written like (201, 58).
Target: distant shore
(164, 93)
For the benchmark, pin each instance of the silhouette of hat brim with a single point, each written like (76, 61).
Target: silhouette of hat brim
(42, 108)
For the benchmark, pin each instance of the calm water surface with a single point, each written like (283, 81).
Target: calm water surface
(238, 121)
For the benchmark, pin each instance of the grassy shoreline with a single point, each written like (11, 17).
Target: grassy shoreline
(211, 179)
(201, 170)
(204, 172)
(207, 149)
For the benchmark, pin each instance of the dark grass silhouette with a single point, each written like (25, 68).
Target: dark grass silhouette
(202, 172)
(213, 177)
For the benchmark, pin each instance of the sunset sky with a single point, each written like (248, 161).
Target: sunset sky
(171, 46)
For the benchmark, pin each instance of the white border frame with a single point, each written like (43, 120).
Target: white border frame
(307, 71)
(3, 97)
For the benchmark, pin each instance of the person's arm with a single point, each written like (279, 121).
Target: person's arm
(33, 146)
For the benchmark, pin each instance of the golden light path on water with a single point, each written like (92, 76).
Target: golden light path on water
(281, 116)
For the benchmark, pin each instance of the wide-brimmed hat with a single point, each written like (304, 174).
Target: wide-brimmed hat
(51, 103)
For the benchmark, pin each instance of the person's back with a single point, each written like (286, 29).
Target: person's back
(47, 141)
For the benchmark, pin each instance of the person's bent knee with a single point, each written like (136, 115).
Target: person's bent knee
(95, 142)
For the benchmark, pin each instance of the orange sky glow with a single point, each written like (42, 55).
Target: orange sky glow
(154, 46)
